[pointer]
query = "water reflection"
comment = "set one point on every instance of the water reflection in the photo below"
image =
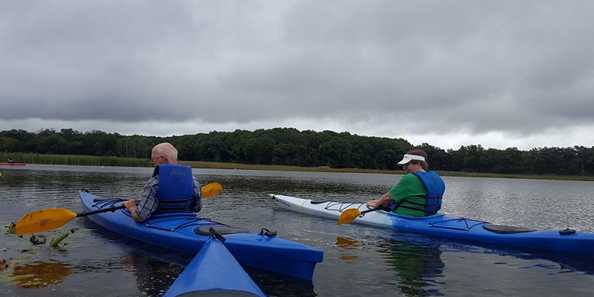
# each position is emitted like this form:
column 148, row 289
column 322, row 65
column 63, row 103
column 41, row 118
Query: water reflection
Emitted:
column 417, row 263
column 346, row 244
column 558, row 263
column 152, row 275
column 274, row 285
column 40, row 274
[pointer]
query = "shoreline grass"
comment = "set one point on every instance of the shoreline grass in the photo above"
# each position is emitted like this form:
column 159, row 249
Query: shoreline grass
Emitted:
column 241, row 166
column 85, row 160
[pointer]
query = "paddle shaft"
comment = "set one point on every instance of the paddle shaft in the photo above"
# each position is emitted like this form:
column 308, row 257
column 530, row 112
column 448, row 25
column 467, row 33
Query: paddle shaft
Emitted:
column 53, row 218
column 370, row 210
column 113, row 208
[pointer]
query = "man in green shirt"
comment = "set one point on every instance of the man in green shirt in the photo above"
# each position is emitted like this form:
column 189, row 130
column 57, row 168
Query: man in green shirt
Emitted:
column 419, row 191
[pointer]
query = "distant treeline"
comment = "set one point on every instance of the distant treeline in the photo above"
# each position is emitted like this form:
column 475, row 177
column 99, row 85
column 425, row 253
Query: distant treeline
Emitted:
column 288, row 146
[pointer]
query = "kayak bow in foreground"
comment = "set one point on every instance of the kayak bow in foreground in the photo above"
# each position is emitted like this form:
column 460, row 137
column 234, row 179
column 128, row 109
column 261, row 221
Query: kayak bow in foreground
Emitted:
column 563, row 242
column 214, row 272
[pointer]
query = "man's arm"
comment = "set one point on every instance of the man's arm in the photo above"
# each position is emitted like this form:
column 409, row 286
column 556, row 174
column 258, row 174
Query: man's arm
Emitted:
column 396, row 194
column 382, row 201
column 143, row 209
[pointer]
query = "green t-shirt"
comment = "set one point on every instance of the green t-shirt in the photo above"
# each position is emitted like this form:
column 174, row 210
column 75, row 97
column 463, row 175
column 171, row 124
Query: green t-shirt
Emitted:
column 410, row 188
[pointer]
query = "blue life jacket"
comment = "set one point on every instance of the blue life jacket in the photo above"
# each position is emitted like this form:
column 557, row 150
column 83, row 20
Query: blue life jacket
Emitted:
column 435, row 188
column 176, row 188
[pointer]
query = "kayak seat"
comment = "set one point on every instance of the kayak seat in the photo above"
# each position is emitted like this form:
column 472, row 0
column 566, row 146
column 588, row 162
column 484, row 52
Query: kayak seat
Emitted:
column 503, row 229
column 223, row 230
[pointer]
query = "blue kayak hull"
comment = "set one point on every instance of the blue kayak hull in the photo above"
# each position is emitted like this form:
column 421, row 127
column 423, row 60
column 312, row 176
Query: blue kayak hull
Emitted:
column 177, row 231
column 214, row 271
column 457, row 228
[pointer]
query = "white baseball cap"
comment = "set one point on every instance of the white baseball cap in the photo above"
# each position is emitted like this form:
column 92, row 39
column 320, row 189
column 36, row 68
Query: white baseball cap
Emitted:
column 408, row 157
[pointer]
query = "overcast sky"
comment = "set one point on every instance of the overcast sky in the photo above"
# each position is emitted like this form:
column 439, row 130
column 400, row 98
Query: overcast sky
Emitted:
column 448, row 73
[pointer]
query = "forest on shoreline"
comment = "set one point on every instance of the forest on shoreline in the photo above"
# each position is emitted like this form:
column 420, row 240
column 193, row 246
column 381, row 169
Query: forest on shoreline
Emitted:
column 291, row 147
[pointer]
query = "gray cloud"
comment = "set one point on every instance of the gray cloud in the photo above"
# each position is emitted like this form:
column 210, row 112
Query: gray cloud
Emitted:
column 502, row 66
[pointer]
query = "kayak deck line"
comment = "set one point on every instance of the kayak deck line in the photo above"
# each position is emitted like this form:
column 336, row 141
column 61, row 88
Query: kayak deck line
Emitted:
column 565, row 242
column 330, row 205
column 181, row 232
column 467, row 226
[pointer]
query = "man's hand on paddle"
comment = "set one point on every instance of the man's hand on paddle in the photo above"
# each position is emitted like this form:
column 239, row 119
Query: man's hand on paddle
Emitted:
column 130, row 204
column 383, row 201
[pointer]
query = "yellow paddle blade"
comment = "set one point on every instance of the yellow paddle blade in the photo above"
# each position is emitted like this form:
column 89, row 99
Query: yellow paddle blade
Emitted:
column 348, row 216
column 210, row 190
column 43, row 220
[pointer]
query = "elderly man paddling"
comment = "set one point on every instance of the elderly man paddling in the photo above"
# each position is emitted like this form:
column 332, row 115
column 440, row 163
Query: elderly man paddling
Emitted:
column 172, row 188
column 418, row 193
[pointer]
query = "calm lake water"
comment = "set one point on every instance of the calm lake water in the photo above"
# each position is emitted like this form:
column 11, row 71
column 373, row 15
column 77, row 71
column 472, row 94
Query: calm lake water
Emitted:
column 358, row 260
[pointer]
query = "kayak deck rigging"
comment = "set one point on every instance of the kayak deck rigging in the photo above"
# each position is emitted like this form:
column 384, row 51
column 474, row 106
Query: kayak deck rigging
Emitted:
column 466, row 227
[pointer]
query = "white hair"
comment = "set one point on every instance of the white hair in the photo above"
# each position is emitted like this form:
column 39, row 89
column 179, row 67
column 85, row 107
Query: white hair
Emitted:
column 166, row 150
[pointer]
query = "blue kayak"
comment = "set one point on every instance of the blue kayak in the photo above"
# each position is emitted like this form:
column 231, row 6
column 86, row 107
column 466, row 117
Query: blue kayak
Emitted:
column 187, row 233
column 214, row 272
column 560, row 242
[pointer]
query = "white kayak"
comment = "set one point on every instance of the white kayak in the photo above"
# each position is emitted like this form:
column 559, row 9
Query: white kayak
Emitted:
column 566, row 242
column 332, row 210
